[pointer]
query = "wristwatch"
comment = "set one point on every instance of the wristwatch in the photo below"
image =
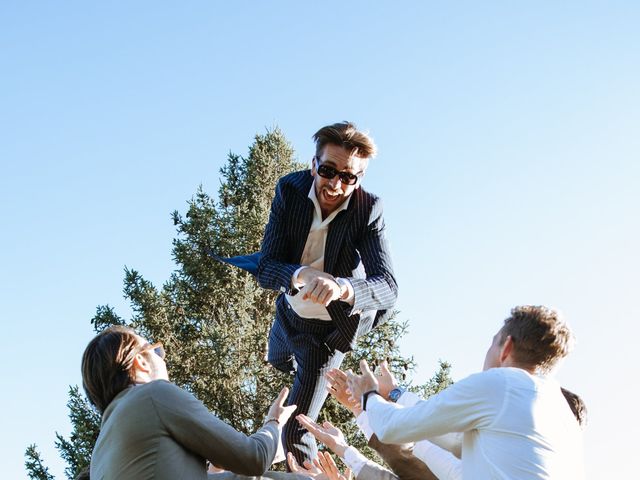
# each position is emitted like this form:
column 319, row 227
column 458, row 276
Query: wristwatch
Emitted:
column 365, row 396
column 395, row 394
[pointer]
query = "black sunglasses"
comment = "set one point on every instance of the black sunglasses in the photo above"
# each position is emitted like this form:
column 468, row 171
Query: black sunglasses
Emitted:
column 325, row 171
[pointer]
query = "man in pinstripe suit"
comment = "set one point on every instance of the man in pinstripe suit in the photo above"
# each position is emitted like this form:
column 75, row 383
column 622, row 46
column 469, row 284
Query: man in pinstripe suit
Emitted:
column 325, row 250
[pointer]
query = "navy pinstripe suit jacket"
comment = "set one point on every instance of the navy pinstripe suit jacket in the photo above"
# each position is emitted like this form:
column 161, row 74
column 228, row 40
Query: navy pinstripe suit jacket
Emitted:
column 356, row 234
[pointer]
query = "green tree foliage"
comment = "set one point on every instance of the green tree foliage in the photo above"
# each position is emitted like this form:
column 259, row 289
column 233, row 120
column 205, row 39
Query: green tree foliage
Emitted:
column 76, row 451
column 34, row 466
column 214, row 319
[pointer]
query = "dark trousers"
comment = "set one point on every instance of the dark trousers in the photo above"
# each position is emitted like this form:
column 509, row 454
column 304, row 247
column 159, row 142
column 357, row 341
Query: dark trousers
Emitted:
column 297, row 345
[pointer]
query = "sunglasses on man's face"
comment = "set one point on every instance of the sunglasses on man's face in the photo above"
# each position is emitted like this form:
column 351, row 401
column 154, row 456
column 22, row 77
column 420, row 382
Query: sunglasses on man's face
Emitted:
column 328, row 172
column 157, row 348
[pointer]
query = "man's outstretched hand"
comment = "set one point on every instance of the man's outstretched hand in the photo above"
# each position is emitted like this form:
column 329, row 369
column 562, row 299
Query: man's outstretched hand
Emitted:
column 278, row 411
column 331, row 436
column 359, row 384
column 338, row 389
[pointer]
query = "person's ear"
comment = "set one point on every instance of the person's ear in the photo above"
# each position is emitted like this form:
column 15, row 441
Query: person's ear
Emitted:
column 507, row 348
column 313, row 166
column 141, row 364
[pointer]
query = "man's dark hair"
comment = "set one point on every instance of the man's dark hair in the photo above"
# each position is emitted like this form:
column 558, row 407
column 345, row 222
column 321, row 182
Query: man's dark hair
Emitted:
column 106, row 365
column 540, row 336
column 577, row 406
column 346, row 135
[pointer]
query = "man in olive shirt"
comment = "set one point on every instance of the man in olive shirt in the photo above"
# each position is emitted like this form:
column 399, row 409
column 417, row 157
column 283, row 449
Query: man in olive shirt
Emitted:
column 153, row 429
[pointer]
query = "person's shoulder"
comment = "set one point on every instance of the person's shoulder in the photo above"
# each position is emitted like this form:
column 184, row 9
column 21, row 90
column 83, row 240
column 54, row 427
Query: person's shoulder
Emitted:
column 301, row 180
column 513, row 377
column 166, row 395
column 159, row 389
column 490, row 380
column 504, row 373
column 363, row 200
column 365, row 195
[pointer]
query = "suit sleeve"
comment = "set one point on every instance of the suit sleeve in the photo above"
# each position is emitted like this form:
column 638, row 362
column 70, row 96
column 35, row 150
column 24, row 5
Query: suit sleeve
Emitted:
column 273, row 272
column 191, row 424
column 379, row 290
column 373, row 471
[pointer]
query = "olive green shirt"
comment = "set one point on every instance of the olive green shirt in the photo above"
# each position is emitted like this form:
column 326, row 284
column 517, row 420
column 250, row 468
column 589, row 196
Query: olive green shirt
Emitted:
column 160, row 431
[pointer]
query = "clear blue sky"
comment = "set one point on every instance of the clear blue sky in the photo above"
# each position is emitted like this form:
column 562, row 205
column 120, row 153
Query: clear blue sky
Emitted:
column 509, row 166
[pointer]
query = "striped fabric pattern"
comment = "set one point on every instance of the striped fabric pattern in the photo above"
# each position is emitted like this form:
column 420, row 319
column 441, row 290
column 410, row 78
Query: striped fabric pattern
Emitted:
column 306, row 347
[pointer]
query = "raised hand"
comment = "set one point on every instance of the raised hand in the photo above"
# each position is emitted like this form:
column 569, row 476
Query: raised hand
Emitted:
column 328, row 434
column 328, row 466
column 386, row 380
column 359, row 384
column 278, row 411
column 308, row 469
column 338, row 389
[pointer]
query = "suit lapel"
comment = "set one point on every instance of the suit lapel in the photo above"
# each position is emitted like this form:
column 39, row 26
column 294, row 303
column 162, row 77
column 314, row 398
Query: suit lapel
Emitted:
column 335, row 238
column 300, row 232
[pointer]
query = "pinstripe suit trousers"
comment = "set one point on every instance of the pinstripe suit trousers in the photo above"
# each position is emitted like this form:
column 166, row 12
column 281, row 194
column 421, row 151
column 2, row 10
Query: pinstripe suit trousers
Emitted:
column 295, row 347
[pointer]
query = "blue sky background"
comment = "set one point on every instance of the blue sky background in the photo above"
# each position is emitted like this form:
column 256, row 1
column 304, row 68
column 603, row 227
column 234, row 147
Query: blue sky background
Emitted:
column 508, row 138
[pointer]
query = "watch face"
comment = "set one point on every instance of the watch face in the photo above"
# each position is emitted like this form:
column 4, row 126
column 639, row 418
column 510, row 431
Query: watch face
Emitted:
column 394, row 394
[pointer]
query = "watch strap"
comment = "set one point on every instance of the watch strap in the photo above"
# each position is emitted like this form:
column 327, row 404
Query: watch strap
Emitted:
column 365, row 397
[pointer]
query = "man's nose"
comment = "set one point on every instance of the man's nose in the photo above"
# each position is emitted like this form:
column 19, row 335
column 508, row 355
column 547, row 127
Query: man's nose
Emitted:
column 335, row 182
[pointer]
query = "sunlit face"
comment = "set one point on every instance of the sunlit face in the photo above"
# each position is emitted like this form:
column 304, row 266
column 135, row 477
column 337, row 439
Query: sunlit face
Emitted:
column 332, row 193
column 492, row 358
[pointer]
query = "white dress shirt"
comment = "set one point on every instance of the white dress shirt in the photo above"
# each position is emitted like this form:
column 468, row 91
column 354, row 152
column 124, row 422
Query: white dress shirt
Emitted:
column 313, row 256
column 516, row 425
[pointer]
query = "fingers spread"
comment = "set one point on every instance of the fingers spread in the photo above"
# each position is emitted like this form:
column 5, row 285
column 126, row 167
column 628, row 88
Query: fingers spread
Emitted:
column 364, row 367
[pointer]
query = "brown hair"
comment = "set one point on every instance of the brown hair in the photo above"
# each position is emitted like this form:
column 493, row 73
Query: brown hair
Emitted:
column 577, row 406
column 540, row 336
column 346, row 135
column 106, row 365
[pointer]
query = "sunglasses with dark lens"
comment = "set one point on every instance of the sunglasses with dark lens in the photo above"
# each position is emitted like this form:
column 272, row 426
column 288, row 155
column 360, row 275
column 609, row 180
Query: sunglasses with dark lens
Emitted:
column 325, row 171
column 157, row 348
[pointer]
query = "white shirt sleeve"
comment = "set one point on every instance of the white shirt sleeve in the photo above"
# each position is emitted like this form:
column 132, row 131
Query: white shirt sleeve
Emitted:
column 346, row 283
column 408, row 399
column 362, row 421
column 294, row 278
column 442, row 463
column 470, row 403
column 354, row 460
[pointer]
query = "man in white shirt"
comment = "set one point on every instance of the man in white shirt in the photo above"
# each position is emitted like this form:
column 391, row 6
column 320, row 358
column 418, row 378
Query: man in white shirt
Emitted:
column 514, row 417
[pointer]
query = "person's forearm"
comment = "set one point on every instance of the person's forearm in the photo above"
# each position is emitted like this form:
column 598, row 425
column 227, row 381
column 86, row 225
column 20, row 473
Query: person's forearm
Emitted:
column 467, row 404
column 379, row 290
column 443, row 463
column 276, row 275
column 190, row 423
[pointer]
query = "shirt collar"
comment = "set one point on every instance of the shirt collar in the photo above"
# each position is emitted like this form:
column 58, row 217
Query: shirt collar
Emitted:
column 332, row 215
